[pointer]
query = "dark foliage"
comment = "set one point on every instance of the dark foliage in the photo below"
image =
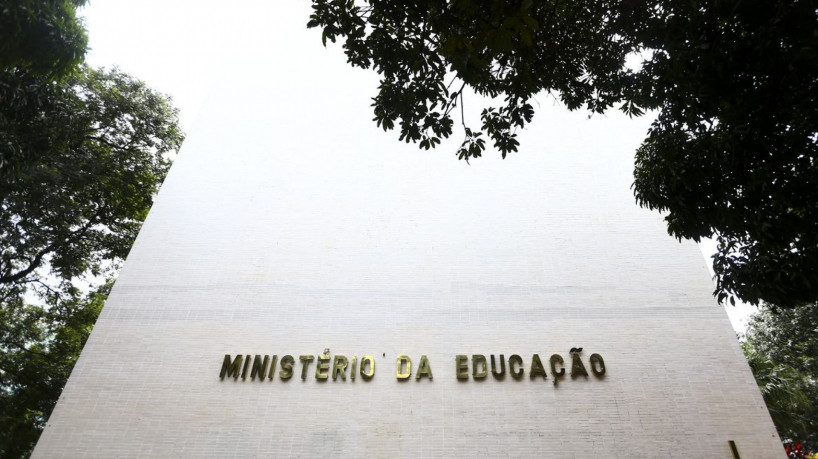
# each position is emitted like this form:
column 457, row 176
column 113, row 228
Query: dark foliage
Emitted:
column 788, row 340
column 42, row 43
column 39, row 348
column 41, row 37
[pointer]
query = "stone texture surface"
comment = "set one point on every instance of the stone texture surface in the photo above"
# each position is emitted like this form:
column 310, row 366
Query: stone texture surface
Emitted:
column 286, row 226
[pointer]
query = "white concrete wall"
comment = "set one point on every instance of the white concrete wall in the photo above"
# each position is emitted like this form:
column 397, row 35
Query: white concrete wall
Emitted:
column 287, row 226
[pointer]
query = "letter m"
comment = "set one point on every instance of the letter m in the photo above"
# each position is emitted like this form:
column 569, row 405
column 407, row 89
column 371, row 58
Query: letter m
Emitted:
column 231, row 368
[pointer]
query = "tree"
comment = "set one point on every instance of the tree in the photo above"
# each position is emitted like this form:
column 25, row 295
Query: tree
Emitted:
column 781, row 387
column 731, row 155
column 68, row 217
column 103, row 156
column 786, row 341
column 40, row 347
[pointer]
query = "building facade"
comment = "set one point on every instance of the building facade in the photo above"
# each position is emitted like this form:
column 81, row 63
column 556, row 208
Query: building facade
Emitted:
column 311, row 288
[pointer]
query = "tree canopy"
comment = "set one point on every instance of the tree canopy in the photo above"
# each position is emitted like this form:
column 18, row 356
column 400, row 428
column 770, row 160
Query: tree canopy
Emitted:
column 731, row 154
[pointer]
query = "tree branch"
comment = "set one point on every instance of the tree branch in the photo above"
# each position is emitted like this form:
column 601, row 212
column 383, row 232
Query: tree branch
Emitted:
column 21, row 347
column 102, row 140
column 38, row 259
column 33, row 264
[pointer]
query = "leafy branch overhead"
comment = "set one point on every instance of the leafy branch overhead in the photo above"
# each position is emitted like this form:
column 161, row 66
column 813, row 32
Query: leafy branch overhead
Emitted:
column 731, row 155
column 427, row 52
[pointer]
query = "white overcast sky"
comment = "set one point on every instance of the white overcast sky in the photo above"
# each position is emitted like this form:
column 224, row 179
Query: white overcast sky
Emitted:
column 182, row 48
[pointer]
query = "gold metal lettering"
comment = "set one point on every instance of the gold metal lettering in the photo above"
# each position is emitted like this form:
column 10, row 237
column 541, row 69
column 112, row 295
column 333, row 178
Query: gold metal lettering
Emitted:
column 286, row 367
column 403, row 362
column 462, row 367
column 478, row 360
column 259, row 367
column 502, row 372
column 305, row 364
column 367, row 374
column 424, row 369
column 597, row 365
column 536, row 368
column 733, row 449
column 246, row 365
column 577, row 367
column 555, row 360
column 231, row 368
column 322, row 367
column 272, row 367
column 512, row 361
column 339, row 366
